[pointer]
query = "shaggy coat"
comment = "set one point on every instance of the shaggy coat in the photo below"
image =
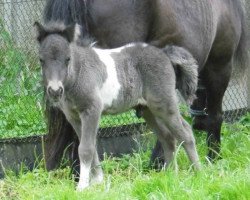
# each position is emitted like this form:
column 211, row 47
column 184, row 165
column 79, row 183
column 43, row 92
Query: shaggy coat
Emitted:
column 86, row 82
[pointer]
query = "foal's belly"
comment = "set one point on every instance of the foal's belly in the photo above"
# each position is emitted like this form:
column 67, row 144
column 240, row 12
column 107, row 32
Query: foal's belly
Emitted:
column 120, row 107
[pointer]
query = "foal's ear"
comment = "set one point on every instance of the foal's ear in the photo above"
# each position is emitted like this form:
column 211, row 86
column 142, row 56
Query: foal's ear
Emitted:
column 40, row 31
column 73, row 32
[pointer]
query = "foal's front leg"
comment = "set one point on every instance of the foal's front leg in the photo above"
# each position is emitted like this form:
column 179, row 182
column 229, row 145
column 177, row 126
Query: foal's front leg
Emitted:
column 96, row 170
column 87, row 146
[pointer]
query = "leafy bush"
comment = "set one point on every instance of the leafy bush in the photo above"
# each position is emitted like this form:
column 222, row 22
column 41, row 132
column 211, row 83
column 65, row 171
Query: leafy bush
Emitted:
column 21, row 112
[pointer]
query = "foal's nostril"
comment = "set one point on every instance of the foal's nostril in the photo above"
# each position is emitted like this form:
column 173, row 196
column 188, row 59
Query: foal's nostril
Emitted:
column 50, row 91
column 60, row 91
column 55, row 93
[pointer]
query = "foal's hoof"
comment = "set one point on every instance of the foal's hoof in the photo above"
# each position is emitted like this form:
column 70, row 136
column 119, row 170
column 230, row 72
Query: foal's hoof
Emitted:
column 97, row 179
column 197, row 166
column 81, row 187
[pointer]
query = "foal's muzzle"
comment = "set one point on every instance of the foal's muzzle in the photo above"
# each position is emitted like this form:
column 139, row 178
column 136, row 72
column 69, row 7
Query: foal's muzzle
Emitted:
column 55, row 91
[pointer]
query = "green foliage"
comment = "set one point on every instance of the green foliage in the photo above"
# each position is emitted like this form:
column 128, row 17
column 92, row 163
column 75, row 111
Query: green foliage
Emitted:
column 121, row 119
column 20, row 92
column 130, row 178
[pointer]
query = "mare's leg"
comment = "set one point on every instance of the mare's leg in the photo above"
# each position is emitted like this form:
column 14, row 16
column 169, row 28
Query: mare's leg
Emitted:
column 157, row 156
column 216, row 77
column 74, row 158
column 164, row 135
column 198, row 108
column 167, row 110
column 60, row 136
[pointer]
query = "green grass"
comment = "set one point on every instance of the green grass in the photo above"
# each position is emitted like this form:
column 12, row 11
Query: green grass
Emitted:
column 130, row 178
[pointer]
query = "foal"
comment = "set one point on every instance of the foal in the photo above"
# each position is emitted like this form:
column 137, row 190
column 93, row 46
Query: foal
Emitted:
column 86, row 82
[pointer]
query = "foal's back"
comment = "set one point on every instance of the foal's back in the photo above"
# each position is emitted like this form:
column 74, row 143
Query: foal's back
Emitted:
column 131, row 72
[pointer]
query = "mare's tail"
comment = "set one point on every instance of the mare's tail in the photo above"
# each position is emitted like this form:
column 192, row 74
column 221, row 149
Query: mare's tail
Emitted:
column 186, row 70
column 241, row 57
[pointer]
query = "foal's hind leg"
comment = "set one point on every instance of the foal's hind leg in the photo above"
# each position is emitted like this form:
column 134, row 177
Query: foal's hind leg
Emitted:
column 178, row 127
column 183, row 133
column 164, row 135
column 193, row 153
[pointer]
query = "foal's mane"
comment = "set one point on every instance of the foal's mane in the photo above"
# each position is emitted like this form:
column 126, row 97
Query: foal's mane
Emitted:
column 53, row 27
column 59, row 28
column 86, row 41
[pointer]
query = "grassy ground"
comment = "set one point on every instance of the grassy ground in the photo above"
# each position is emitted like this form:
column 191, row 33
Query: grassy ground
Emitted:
column 130, row 178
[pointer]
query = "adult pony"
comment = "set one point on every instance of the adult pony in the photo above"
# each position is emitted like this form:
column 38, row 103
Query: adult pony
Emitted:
column 213, row 31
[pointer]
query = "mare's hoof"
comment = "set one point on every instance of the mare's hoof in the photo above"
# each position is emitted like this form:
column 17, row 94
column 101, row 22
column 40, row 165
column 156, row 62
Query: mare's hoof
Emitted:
column 213, row 157
column 157, row 164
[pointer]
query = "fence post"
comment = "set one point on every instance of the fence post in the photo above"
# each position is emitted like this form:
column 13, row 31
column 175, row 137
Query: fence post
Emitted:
column 7, row 7
column 248, row 88
column 248, row 49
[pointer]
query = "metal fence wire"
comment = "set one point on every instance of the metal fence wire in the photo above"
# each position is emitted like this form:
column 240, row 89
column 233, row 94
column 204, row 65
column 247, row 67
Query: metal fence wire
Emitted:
column 21, row 92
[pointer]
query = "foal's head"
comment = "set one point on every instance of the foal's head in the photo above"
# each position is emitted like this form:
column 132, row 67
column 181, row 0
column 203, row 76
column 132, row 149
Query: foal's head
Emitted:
column 54, row 53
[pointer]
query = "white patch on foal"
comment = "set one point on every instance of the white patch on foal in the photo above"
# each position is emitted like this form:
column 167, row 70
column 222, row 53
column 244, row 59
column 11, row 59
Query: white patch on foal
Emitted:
column 142, row 102
column 119, row 49
column 111, row 87
column 55, row 85
column 77, row 32
column 84, row 176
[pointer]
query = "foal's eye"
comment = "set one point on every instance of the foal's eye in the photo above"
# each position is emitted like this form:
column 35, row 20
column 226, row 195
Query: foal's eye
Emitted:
column 41, row 61
column 67, row 61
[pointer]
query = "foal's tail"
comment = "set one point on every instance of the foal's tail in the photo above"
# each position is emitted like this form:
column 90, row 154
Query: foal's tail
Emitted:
column 186, row 70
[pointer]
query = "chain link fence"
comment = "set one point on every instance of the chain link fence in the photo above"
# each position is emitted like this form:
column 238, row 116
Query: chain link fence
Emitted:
column 21, row 93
